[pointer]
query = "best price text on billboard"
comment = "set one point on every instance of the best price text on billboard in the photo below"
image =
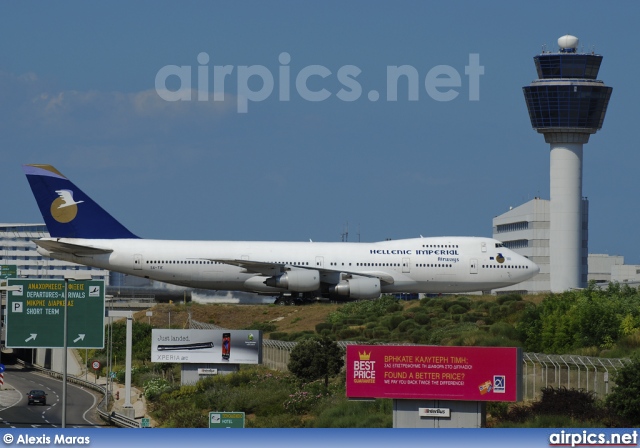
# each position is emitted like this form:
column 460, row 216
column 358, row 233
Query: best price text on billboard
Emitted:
column 434, row 373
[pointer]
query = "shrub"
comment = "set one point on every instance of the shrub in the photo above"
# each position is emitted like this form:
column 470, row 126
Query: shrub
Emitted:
column 381, row 333
column 502, row 299
column 265, row 327
column 353, row 321
column 419, row 336
column 356, row 414
column 394, row 321
column 624, row 400
column 575, row 403
column 422, row 319
column 504, row 329
column 278, row 335
column 323, row 326
column 155, row 387
column 349, row 333
column 315, row 358
column 457, row 309
column 407, row 325
column 301, row 401
column 519, row 413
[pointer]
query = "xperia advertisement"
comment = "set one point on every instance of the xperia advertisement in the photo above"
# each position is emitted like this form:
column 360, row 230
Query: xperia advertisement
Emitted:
column 434, row 373
column 206, row 346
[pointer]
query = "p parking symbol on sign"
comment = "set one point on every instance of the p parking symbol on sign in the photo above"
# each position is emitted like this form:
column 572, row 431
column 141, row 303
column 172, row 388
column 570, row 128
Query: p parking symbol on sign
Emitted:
column 17, row 307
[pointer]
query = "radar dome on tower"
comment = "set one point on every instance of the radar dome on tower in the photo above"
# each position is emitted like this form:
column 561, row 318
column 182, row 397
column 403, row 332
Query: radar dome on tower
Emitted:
column 568, row 43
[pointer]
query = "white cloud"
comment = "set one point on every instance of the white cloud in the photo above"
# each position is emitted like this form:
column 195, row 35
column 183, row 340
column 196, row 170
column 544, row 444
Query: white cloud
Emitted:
column 25, row 101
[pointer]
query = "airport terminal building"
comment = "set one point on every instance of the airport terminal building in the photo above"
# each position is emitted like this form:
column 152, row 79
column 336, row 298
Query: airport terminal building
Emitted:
column 526, row 229
column 17, row 249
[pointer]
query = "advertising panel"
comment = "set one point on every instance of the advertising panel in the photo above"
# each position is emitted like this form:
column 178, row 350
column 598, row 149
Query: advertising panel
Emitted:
column 206, row 346
column 434, row 373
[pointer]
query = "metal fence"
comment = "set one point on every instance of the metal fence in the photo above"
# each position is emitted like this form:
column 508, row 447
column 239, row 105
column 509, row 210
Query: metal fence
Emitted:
column 588, row 373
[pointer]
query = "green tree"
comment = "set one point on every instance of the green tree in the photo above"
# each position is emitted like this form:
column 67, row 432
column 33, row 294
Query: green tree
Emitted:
column 315, row 358
column 624, row 400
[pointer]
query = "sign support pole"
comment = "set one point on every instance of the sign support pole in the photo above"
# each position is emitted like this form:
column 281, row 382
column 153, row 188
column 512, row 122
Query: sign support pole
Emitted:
column 74, row 276
column 64, row 356
column 127, row 373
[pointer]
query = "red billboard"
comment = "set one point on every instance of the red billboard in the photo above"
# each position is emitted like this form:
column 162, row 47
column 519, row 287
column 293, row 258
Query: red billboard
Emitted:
column 434, row 373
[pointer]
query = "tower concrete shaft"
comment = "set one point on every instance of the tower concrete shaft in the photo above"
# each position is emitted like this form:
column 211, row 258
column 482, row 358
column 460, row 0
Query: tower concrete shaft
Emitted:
column 567, row 104
column 565, row 210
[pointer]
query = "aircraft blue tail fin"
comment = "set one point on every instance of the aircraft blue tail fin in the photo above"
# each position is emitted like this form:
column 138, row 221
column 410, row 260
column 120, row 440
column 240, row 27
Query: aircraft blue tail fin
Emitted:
column 67, row 211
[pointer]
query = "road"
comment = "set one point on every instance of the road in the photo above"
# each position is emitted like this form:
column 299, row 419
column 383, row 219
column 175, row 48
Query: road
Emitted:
column 16, row 413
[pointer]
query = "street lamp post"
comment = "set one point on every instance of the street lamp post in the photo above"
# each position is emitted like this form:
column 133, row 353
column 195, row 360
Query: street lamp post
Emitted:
column 76, row 276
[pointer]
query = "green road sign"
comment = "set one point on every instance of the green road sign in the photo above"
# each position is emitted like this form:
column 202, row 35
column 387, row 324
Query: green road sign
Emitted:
column 35, row 314
column 8, row 270
column 145, row 423
column 226, row 419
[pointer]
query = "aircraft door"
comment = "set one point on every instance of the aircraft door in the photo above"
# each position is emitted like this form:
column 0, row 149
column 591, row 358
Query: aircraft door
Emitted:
column 406, row 265
column 137, row 262
column 319, row 262
column 473, row 266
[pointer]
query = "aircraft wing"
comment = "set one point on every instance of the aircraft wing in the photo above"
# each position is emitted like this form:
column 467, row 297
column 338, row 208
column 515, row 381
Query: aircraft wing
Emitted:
column 68, row 248
column 267, row 268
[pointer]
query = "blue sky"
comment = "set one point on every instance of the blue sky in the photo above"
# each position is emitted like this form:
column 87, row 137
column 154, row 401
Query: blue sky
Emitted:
column 78, row 91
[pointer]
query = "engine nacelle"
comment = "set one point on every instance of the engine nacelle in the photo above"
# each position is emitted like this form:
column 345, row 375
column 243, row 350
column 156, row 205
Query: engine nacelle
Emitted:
column 299, row 280
column 359, row 288
column 257, row 284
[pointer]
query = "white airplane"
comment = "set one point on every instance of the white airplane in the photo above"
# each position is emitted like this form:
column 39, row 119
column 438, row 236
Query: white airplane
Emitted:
column 84, row 233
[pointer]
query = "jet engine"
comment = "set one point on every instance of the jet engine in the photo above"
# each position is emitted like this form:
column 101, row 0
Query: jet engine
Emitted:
column 299, row 280
column 358, row 288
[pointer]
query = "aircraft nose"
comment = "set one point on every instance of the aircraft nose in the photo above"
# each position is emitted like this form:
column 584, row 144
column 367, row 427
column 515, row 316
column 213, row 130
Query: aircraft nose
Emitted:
column 535, row 267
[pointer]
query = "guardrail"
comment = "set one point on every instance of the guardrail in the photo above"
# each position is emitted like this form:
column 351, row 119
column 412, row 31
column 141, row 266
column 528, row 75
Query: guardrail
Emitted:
column 113, row 417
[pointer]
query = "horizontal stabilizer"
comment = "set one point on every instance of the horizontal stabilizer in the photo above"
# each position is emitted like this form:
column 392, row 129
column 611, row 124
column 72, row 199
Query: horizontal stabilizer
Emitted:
column 68, row 248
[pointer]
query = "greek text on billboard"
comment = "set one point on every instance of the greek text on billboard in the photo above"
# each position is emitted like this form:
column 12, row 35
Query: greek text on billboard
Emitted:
column 434, row 373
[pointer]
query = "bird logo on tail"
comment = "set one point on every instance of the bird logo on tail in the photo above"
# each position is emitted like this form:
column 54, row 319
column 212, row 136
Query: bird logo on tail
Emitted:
column 64, row 209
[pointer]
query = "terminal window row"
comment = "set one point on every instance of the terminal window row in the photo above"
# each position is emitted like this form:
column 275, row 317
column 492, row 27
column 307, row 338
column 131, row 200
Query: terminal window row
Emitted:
column 516, row 244
column 23, row 229
column 513, row 227
column 17, row 239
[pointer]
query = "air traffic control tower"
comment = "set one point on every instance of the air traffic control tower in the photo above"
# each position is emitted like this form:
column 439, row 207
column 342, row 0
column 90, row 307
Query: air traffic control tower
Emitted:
column 567, row 104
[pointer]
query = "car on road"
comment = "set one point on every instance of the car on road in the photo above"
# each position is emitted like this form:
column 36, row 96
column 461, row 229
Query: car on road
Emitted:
column 37, row 396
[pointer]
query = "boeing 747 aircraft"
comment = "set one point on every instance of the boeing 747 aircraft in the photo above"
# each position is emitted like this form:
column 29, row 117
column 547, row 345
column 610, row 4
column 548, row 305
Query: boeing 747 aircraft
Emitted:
column 82, row 232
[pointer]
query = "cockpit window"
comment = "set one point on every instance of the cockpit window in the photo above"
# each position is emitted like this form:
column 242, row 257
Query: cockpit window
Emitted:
column 499, row 245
